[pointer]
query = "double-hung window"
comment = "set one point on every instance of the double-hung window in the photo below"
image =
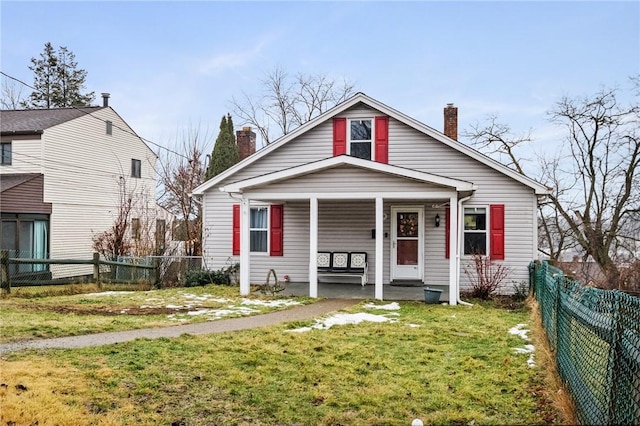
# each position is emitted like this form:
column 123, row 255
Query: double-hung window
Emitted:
column 475, row 230
column 5, row 154
column 360, row 138
column 259, row 229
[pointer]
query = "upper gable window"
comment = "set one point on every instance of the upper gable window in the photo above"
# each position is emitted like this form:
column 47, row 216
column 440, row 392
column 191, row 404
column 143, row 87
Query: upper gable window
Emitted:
column 136, row 168
column 109, row 127
column 360, row 138
column 5, row 154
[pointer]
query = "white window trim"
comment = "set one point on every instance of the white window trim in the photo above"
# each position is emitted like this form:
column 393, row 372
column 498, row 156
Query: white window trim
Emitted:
column 373, row 134
column 486, row 230
column 268, row 229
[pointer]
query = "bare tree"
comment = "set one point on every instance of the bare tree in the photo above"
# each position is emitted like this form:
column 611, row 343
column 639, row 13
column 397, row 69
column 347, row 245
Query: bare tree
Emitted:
column 288, row 102
column 595, row 202
column 179, row 174
column 603, row 153
column 114, row 242
column 12, row 95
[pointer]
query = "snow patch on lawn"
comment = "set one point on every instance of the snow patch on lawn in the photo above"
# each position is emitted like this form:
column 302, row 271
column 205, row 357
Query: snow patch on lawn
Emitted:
column 109, row 293
column 519, row 330
column 270, row 303
column 343, row 319
column 393, row 306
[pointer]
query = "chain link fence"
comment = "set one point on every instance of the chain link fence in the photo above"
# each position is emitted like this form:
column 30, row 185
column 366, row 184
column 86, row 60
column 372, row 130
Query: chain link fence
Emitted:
column 595, row 337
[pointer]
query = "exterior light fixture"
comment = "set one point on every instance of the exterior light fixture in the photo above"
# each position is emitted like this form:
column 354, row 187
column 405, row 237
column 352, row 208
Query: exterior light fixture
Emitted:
column 437, row 220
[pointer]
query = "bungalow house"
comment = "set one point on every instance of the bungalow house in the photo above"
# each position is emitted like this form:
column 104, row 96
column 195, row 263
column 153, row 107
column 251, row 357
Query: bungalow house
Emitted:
column 411, row 203
column 64, row 172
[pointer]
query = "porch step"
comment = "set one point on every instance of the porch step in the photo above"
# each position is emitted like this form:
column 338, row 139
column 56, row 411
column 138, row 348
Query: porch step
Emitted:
column 407, row 283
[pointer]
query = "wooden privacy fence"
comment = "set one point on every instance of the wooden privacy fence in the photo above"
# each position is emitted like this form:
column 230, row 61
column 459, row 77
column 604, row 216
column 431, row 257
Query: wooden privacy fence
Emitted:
column 103, row 271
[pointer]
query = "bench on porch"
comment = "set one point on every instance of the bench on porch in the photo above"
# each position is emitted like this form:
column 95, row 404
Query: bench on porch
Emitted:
column 343, row 263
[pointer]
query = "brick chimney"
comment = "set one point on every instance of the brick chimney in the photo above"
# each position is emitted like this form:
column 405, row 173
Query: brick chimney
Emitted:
column 246, row 140
column 451, row 121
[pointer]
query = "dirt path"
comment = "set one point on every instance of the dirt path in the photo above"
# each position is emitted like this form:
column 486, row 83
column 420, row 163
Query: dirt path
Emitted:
column 297, row 313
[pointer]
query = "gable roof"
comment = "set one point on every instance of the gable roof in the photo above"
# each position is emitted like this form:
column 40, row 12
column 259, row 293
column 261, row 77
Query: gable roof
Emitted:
column 28, row 121
column 12, row 180
column 342, row 160
column 391, row 112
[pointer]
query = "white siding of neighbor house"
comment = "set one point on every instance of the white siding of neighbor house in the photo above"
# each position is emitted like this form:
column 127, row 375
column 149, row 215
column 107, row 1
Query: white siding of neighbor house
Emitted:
column 84, row 169
column 26, row 157
column 408, row 148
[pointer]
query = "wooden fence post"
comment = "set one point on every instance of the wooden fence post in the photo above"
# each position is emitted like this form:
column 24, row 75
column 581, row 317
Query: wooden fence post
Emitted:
column 5, row 278
column 96, row 268
column 156, row 272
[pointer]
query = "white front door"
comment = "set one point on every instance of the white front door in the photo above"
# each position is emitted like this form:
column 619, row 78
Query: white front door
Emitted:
column 407, row 233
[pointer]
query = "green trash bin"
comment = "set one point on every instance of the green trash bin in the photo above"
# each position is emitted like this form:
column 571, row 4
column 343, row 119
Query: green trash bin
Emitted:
column 432, row 295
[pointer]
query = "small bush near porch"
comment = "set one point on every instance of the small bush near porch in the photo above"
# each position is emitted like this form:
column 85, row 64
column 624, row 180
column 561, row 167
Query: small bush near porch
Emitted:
column 442, row 364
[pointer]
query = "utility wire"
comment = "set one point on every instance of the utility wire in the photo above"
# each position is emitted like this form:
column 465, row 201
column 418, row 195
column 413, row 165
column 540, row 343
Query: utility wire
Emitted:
column 100, row 119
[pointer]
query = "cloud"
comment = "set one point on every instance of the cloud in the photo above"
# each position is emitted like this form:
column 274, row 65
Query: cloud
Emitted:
column 233, row 60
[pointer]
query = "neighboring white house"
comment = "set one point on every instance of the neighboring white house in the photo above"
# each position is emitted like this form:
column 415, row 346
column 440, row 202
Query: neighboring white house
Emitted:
column 365, row 177
column 64, row 173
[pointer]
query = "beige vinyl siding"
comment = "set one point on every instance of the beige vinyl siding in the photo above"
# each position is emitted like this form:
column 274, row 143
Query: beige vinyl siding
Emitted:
column 348, row 179
column 84, row 171
column 408, row 148
column 26, row 157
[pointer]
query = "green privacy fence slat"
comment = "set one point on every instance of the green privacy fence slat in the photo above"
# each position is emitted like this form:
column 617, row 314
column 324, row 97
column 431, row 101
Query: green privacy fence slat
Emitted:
column 595, row 337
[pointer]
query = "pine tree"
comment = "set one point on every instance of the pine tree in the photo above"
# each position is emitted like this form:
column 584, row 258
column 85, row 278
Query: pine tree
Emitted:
column 57, row 81
column 225, row 150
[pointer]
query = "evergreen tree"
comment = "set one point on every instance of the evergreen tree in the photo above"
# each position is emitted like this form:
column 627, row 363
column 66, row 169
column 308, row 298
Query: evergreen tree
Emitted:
column 57, row 81
column 225, row 150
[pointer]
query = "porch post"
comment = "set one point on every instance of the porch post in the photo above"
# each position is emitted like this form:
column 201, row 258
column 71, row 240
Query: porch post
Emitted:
column 379, row 247
column 313, row 247
column 245, row 247
column 454, row 224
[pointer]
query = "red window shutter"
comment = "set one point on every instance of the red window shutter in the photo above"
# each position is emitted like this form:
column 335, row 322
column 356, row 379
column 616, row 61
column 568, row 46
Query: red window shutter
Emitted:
column 497, row 231
column 447, row 234
column 339, row 136
column 276, row 229
column 236, row 230
column 382, row 139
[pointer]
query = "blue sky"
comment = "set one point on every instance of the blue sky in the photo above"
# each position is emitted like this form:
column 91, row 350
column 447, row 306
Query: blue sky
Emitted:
column 174, row 65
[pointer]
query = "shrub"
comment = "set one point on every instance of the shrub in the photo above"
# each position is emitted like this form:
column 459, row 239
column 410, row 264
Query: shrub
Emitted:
column 520, row 290
column 485, row 276
column 200, row 277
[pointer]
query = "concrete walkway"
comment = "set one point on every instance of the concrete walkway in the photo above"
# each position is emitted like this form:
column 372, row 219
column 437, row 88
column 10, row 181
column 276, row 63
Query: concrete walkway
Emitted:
column 297, row 313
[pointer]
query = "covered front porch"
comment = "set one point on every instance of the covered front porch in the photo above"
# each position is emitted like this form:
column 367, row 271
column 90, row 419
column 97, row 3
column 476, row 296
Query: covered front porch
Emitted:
column 385, row 197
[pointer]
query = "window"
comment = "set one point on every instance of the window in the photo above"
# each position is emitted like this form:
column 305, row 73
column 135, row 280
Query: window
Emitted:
column 5, row 154
column 259, row 231
column 135, row 228
column 136, row 168
column 109, row 127
column 25, row 236
column 475, row 230
column 360, row 132
column 161, row 232
column 266, row 230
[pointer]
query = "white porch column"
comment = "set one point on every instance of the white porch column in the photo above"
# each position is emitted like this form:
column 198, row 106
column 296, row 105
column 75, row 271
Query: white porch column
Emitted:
column 245, row 247
column 313, row 247
column 454, row 223
column 379, row 248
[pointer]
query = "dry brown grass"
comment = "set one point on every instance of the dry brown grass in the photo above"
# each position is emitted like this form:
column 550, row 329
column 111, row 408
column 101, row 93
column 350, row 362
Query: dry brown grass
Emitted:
column 44, row 394
column 554, row 389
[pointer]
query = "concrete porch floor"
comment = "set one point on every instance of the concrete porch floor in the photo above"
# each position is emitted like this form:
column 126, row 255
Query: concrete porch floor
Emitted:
column 356, row 291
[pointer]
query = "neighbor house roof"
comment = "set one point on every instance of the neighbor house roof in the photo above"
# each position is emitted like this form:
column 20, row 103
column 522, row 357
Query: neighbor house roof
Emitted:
column 403, row 118
column 27, row 121
column 12, row 180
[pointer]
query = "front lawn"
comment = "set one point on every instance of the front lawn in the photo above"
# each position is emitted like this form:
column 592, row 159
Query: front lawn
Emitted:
column 376, row 363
